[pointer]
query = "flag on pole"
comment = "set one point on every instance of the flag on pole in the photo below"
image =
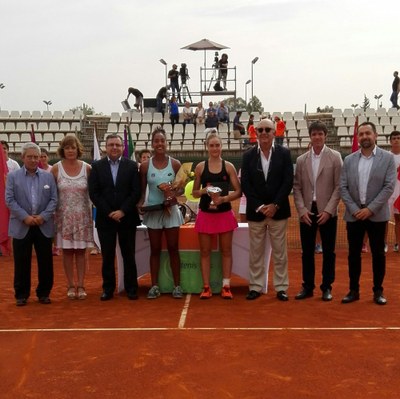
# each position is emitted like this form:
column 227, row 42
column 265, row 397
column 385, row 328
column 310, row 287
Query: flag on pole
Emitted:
column 354, row 146
column 33, row 138
column 4, row 211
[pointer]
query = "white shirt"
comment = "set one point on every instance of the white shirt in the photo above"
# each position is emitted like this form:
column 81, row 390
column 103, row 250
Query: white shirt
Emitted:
column 12, row 165
column 364, row 169
column 315, row 161
column 265, row 161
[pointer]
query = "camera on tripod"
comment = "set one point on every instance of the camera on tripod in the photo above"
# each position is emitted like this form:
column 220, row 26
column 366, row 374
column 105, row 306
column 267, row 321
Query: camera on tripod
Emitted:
column 184, row 73
column 216, row 61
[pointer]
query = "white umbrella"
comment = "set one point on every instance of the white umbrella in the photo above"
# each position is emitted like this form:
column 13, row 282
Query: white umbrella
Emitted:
column 204, row 44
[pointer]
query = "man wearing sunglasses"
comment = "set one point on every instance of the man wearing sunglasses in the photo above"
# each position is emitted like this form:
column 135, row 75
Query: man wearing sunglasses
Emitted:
column 267, row 180
column 316, row 194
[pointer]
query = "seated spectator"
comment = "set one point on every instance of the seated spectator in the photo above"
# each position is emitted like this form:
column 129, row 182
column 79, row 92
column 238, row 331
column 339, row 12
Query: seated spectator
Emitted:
column 223, row 112
column 199, row 114
column 212, row 120
column 211, row 108
column 187, row 113
column 251, row 130
column 237, row 125
column 280, row 128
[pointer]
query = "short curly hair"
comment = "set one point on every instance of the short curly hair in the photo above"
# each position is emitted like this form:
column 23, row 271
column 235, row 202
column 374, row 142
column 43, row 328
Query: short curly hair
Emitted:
column 67, row 141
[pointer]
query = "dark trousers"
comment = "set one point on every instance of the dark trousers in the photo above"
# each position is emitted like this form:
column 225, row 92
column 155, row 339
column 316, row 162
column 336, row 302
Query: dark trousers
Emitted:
column 355, row 237
column 108, row 241
column 174, row 119
column 328, row 239
column 23, row 260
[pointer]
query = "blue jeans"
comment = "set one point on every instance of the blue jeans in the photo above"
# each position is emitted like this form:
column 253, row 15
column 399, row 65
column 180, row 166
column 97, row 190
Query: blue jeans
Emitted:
column 393, row 99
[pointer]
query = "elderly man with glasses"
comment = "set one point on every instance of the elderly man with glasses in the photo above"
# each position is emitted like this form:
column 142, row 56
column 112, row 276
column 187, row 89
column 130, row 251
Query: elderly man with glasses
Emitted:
column 267, row 180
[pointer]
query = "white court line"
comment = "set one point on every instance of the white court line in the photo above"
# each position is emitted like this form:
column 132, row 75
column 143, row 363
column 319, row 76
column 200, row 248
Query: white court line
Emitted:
column 123, row 329
column 185, row 309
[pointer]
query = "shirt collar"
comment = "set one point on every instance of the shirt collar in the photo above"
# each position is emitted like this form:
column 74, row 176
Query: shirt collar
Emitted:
column 29, row 173
column 317, row 155
column 272, row 147
column 373, row 152
column 117, row 161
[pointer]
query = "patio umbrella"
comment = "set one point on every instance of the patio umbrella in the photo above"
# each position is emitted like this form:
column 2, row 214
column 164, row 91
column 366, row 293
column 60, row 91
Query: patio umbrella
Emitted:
column 205, row 45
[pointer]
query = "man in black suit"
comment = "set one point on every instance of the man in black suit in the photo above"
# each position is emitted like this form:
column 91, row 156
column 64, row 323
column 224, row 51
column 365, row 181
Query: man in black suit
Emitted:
column 267, row 180
column 114, row 189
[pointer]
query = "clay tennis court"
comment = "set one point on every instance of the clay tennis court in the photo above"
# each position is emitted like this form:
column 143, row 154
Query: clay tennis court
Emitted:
column 189, row 348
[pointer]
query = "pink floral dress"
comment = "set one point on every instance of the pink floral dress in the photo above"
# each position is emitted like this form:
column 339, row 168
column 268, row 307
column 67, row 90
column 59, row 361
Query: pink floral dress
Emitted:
column 74, row 224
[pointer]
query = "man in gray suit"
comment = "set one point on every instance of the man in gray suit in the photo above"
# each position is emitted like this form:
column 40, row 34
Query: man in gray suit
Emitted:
column 366, row 183
column 31, row 196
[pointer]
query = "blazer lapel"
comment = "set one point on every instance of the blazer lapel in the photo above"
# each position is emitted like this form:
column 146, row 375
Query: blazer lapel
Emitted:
column 309, row 170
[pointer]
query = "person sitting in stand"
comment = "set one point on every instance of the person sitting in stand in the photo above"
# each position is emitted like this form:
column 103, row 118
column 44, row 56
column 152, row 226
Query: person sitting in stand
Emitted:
column 212, row 120
column 211, row 108
column 237, row 125
column 223, row 112
column 251, row 130
column 199, row 114
column 138, row 98
column 187, row 113
column 280, row 128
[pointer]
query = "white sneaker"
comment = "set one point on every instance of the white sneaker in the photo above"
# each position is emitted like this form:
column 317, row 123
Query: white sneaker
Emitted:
column 396, row 248
column 386, row 248
column 154, row 292
column 177, row 292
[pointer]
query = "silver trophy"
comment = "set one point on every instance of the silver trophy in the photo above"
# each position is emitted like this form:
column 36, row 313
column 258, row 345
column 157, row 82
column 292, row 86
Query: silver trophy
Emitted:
column 213, row 192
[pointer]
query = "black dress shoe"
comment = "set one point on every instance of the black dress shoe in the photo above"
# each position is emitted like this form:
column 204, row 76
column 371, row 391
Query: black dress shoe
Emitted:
column 303, row 294
column 379, row 299
column 252, row 295
column 282, row 296
column 132, row 295
column 351, row 297
column 21, row 302
column 327, row 295
column 44, row 300
column 106, row 297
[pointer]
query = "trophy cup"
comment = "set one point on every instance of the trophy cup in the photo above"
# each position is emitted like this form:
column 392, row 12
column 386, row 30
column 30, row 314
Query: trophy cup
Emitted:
column 213, row 192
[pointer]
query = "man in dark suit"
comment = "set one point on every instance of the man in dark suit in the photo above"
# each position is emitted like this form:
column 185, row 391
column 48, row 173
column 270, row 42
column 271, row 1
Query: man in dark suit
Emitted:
column 31, row 196
column 114, row 189
column 267, row 180
column 366, row 183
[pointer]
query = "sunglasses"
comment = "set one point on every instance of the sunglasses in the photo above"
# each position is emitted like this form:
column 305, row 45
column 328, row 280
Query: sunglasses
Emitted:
column 264, row 129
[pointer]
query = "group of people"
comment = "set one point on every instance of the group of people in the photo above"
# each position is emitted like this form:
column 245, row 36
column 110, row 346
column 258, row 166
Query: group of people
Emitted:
column 124, row 192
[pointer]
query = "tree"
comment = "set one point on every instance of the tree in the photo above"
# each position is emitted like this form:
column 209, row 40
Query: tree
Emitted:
column 365, row 103
column 325, row 110
column 254, row 104
column 85, row 109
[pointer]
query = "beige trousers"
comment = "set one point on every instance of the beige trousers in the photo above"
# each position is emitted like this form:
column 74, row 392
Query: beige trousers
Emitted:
column 277, row 233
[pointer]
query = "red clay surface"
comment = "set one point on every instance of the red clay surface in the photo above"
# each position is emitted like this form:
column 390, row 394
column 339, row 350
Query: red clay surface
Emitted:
column 226, row 349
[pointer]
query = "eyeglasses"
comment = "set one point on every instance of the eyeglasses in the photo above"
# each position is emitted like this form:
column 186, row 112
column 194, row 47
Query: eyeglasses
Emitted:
column 264, row 129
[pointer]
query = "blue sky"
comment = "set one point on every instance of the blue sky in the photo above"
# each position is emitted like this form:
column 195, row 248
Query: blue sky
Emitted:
column 310, row 52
